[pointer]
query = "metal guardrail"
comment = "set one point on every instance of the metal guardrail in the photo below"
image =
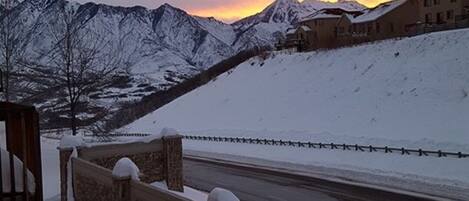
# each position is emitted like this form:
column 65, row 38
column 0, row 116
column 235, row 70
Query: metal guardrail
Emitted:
column 332, row 146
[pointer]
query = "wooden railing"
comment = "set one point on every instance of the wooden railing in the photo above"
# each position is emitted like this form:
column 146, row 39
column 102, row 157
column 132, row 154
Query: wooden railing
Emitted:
column 13, row 193
column 332, row 146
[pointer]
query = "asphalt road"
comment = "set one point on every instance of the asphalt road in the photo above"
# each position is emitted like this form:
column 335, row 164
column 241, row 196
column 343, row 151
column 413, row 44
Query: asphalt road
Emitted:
column 260, row 184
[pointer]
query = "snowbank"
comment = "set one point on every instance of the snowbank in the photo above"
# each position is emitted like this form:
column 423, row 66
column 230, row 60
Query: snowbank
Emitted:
column 220, row 194
column 18, row 169
column 70, row 141
column 189, row 192
column 126, row 168
column 164, row 133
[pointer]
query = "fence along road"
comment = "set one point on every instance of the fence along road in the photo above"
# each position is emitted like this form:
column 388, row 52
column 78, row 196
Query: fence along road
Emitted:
column 299, row 144
column 254, row 183
column 332, row 146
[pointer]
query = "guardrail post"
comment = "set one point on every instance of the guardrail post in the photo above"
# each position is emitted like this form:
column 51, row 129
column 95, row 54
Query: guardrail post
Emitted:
column 172, row 150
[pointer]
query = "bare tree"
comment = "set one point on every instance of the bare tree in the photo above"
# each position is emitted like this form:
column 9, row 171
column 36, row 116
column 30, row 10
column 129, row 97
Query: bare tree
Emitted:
column 83, row 62
column 12, row 43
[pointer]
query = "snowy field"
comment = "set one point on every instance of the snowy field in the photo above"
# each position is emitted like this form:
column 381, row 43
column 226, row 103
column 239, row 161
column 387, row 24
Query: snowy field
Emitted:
column 3, row 140
column 411, row 92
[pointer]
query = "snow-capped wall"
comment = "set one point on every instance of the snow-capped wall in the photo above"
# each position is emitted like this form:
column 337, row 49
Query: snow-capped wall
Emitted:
column 408, row 89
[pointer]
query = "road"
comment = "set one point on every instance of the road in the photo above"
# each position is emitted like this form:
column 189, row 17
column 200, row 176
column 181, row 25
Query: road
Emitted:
column 251, row 183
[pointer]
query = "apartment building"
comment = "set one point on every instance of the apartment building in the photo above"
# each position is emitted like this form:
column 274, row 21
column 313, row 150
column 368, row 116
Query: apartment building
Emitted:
column 330, row 28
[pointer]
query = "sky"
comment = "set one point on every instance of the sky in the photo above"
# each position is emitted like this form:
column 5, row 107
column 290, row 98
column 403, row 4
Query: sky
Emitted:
column 225, row 10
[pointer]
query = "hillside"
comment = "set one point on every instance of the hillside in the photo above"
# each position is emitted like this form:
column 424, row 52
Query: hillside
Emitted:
column 412, row 90
column 160, row 48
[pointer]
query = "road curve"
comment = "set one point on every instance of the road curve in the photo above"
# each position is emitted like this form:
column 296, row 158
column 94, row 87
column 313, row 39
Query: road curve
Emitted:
column 251, row 183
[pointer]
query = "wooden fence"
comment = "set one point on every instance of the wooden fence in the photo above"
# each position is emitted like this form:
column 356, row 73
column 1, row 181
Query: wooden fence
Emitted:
column 331, row 146
column 313, row 145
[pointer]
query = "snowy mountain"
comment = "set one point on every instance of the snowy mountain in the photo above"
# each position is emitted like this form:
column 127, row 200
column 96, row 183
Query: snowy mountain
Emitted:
column 161, row 47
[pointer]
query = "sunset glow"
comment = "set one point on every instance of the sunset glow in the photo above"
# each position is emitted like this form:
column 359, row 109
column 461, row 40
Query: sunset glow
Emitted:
column 225, row 10
column 243, row 8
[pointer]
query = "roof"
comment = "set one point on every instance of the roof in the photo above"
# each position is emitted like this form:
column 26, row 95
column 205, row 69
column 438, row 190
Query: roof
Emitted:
column 293, row 30
column 328, row 13
column 377, row 12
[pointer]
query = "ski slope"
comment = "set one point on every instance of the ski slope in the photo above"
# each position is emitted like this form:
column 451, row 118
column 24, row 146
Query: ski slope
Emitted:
column 412, row 89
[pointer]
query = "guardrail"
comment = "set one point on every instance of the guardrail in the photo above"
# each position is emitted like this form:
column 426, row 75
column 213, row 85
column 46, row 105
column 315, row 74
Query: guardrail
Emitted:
column 332, row 146
column 317, row 145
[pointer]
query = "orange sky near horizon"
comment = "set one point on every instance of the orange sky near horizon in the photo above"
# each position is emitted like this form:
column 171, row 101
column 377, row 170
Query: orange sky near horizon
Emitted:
column 224, row 10
column 243, row 8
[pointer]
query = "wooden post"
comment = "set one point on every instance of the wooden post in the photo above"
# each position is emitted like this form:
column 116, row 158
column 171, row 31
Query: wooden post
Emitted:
column 121, row 188
column 172, row 151
column 64, row 154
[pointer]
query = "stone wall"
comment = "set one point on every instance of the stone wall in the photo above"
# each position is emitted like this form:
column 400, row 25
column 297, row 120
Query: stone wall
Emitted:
column 157, row 160
column 150, row 164
column 87, row 189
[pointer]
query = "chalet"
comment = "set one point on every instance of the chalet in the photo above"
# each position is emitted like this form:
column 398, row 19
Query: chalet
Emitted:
column 388, row 20
column 335, row 27
column 322, row 25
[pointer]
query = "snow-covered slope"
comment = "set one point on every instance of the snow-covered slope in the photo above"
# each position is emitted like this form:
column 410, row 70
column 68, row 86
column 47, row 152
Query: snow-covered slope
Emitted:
column 412, row 89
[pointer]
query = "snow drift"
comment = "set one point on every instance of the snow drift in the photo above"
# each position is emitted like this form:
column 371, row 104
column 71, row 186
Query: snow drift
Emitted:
column 413, row 89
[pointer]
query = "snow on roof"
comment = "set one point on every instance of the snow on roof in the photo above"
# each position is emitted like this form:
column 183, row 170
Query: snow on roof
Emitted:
column 377, row 12
column 321, row 14
column 291, row 31
column 126, row 168
column 305, row 28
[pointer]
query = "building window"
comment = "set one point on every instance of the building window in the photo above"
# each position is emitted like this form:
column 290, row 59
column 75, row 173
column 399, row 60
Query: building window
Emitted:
column 450, row 14
column 378, row 28
column 427, row 3
column 391, row 27
column 370, row 27
column 428, row 18
column 436, row 2
column 453, row 1
column 440, row 18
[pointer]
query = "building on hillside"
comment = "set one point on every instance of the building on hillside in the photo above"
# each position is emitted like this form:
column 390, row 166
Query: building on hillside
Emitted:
column 323, row 25
column 443, row 14
column 335, row 27
column 297, row 38
column 388, row 20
